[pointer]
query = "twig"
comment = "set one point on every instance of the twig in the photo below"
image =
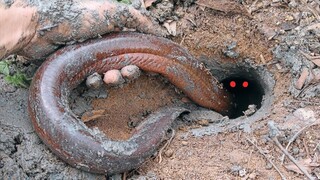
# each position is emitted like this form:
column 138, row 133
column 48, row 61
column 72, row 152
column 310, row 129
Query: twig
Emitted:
column 294, row 137
column 263, row 60
column 302, row 169
column 309, row 56
column 261, row 152
column 306, row 147
column 182, row 40
column 166, row 145
column 273, row 134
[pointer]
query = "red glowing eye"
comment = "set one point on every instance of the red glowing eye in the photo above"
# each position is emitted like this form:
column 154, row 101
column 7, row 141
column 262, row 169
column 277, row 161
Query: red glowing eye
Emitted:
column 245, row 84
column 233, row 84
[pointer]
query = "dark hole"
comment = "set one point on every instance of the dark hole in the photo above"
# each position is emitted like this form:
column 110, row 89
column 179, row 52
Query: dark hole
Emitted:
column 245, row 91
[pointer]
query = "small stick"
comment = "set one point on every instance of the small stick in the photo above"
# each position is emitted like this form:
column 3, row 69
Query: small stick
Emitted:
column 166, row 145
column 273, row 134
column 124, row 176
column 263, row 60
column 302, row 169
column 182, row 40
column 295, row 137
column 261, row 152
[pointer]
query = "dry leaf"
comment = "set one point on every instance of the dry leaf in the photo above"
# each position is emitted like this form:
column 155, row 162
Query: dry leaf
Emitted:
column 304, row 163
column 171, row 26
column 314, row 59
column 226, row 6
column 316, row 62
column 302, row 79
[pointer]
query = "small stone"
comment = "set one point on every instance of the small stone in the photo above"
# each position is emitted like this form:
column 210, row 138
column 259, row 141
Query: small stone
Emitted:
column 94, row 81
column 235, row 169
column 232, row 45
column 242, row 172
column 252, row 108
column 231, row 54
column 169, row 153
column 295, row 150
column 293, row 4
column 269, row 166
column 304, row 114
column 184, row 143
column 203, row 122
column 211, row 116
column 130, row 72
column 113, row 77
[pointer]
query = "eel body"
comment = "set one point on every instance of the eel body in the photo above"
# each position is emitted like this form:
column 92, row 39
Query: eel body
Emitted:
column 91, row 150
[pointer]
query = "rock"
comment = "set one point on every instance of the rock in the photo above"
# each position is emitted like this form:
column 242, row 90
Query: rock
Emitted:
column 203, row 114
column 293, row 4
column 94, row 81
column 130, row 72
column 304, row 114
column 184, row 143
column 269, row 166
column 169, row 153
column 252, row 108
column 235, row 169
column 242, row 172
column 231, row 54
column 113, row 77
column 295, row 150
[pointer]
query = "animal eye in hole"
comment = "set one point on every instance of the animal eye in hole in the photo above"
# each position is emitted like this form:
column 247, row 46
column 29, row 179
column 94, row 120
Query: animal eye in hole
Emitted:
column 233, row 84
column 245, row 84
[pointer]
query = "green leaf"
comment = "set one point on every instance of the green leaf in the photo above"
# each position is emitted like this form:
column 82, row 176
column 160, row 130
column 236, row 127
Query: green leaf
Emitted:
column 4, row 68
column 18, row 79
column 124, row 1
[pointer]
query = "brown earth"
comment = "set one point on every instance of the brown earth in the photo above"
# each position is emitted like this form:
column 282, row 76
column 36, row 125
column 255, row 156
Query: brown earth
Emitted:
column 206, row 29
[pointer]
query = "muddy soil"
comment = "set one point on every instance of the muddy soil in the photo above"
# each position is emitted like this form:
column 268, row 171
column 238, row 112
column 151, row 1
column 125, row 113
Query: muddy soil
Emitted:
column 282, row 37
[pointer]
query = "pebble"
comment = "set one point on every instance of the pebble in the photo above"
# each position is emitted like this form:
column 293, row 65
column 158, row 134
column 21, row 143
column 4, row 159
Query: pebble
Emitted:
column 113, row 77
column 269, row 166
column 169, row 153
column 235, row 169
column 94, row 81
column 242, row 172
column 295, row 150
column 304, row 114
column 130, row 72
column 184, row 143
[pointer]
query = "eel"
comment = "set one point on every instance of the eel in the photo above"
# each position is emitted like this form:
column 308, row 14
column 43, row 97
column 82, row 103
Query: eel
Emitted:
column 89, row 149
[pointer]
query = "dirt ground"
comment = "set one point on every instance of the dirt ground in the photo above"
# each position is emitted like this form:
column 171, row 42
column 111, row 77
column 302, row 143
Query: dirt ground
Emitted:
column 281, row 36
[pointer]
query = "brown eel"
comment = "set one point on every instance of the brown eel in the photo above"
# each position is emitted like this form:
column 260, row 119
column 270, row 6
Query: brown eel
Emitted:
column 89, row 149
